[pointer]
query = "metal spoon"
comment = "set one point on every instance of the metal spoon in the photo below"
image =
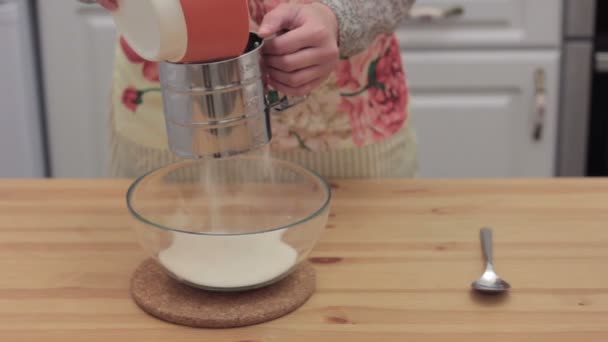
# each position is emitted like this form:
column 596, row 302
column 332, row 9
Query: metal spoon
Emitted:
column 489, row 281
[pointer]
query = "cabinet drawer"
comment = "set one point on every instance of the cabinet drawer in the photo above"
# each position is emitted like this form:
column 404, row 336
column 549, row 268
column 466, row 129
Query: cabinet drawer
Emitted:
column 475, row 113
column 485, row 23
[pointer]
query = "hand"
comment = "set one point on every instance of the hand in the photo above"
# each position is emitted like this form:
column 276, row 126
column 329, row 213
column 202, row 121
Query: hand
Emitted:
column 300, row 60
column 111, row 5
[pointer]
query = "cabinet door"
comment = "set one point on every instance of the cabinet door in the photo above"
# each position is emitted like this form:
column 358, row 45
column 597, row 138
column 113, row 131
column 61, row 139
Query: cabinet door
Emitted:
column 475, row 112
column 77, row 50
column 485, row 23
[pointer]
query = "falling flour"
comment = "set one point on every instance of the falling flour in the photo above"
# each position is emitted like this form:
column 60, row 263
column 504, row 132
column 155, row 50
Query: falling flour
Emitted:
column 228, row 261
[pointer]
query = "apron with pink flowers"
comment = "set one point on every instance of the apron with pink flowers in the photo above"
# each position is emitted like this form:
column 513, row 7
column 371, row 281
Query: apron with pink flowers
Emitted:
column 353, row 126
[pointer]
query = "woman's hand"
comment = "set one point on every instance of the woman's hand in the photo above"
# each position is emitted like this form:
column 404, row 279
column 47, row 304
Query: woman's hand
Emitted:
column 300, row 59
column 111, row 5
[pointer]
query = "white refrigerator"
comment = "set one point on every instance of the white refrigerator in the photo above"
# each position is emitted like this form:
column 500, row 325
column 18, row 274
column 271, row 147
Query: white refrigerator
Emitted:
column 22, row 138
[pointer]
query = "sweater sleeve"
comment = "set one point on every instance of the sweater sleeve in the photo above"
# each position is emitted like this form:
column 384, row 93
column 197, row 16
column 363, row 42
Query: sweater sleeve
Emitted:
column 361, row 21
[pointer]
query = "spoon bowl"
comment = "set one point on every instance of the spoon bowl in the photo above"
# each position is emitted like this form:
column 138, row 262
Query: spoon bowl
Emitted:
column 489, row 281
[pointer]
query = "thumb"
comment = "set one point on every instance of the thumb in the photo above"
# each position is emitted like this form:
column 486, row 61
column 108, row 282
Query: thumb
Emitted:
column 277, row 20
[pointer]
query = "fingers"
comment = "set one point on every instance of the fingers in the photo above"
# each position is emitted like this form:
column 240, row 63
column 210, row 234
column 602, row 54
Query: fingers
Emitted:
column 302, row 30
column 277, row 20
column 305, row 54
column 302, row 59
column 300, row 38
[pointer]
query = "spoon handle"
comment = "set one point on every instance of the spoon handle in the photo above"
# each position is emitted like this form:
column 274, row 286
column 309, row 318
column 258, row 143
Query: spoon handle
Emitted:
column 486, row 243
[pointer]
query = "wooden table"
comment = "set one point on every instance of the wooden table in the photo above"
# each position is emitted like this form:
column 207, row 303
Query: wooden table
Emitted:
column 395, row 264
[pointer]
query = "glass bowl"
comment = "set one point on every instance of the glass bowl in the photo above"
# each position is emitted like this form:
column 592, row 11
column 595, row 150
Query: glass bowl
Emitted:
column 229, row 224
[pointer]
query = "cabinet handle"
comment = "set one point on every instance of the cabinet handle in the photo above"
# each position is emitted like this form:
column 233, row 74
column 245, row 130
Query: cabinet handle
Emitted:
column 427, row 13
column 601, row 62
column 540, row 103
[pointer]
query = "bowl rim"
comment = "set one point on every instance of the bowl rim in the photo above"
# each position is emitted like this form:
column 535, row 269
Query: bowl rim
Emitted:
column 323, row 182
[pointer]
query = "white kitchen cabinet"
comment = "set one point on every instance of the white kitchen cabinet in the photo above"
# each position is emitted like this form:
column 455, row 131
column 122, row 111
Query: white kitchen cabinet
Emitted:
column 486, row 24
column 77, row 52
column 475, row 112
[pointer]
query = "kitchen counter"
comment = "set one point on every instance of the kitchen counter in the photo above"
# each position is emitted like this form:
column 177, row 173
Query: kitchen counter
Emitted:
column 394, row 264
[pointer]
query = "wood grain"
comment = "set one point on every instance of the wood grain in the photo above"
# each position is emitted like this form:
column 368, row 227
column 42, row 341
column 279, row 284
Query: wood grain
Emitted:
column 395, row 264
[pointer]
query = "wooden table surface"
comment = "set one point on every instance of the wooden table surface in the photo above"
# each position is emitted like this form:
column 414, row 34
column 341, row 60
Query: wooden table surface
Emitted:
column 395, row 264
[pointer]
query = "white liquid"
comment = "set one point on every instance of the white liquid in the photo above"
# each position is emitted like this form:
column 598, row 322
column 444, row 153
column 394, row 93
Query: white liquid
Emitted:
column 229, row 261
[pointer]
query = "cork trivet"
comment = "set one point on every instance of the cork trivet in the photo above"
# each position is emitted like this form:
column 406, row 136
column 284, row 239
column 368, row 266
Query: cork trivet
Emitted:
column 163, row 297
